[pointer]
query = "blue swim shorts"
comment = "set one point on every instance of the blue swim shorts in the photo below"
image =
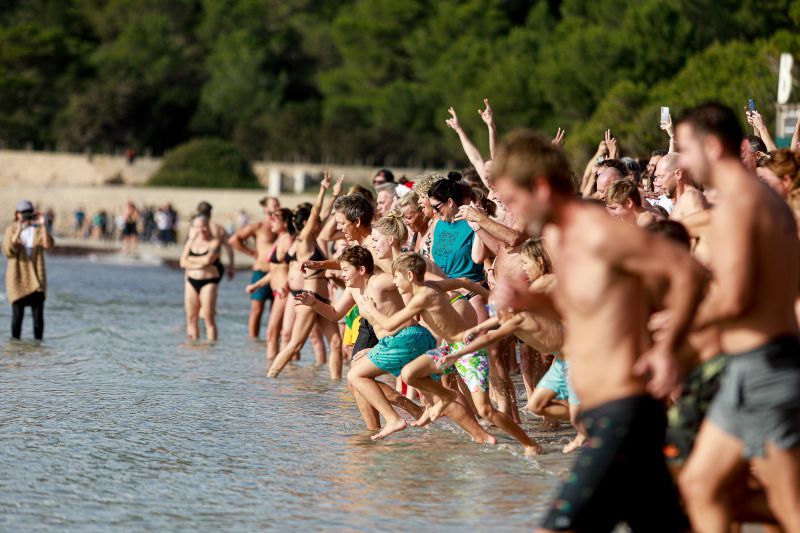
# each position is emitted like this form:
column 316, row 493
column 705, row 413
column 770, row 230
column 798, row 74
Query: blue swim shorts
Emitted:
column 394, row 352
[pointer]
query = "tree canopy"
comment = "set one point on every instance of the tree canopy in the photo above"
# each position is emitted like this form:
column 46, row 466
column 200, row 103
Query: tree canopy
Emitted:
column 371, row 80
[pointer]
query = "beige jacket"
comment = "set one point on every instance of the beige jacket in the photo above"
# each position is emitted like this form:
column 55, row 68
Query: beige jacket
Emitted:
column 25, row 275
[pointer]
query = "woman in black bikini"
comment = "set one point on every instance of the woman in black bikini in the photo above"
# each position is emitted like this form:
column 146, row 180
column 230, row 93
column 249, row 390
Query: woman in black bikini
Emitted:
column 305, row 248
column 282, row 227
column 204, row 271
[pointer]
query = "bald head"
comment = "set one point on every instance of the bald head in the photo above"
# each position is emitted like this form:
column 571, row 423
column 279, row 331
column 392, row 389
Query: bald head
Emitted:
column 606, row 177
column 669, row 163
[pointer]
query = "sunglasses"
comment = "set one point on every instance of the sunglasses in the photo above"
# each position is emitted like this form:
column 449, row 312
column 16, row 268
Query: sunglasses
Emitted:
column 437, row 206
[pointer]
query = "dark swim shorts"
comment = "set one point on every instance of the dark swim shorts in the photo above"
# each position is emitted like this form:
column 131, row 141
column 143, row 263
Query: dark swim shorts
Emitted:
column 759, row 396
column 620, row 474
column 686, row 416
column 264, row 293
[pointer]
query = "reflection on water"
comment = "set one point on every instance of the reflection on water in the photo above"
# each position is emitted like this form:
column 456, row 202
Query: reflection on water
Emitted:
column 115, row 421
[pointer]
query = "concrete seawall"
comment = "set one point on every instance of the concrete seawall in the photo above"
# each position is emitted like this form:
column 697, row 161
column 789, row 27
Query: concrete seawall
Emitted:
column 64, row 182
column 51, row 168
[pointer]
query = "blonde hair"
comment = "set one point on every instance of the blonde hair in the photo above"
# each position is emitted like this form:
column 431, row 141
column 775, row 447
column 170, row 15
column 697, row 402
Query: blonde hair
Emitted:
column 410, row 199
column 410, row 262
column 424, row 182
column 535, row 250
column 392, row 225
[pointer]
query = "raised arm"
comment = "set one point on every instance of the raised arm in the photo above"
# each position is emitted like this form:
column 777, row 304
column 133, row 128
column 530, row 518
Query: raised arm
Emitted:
column 589, row 172
column 327, row 209
column 334, row 313
column 313, row 223
column 487, row 115
column 473, row 154
column 329, row 231
column 11, row 241
column 795, row 146
column 755, row 119
column 667, row 127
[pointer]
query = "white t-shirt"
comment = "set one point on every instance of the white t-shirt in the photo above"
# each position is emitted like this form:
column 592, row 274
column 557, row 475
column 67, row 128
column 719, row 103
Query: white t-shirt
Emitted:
column 665, row 202
column 27, row 236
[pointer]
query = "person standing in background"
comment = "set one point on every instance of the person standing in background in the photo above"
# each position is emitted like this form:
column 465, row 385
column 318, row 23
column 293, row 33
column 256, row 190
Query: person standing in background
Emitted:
column 24, row 244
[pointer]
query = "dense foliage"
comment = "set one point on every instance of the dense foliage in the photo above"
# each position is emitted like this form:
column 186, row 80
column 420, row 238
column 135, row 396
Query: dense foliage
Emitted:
column 371, row 80
column 205, row 163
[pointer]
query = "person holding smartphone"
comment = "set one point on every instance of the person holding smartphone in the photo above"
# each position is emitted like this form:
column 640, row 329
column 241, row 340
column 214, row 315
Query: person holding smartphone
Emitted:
column 24, row 244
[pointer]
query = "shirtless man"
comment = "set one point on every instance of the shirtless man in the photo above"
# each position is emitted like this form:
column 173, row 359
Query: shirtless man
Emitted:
column 624, row 202
column 264, row 240
column 433, row 307
column 391, row 353
column 601, row 267
column 755, row 417
column 674, row 180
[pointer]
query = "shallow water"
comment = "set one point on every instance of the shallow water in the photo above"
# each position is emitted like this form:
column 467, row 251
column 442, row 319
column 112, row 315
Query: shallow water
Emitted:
column 114, row 422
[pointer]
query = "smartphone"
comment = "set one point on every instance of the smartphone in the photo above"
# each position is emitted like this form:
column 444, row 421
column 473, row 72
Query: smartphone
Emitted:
column 664, row 115
column 751, row 105
column 492, row 310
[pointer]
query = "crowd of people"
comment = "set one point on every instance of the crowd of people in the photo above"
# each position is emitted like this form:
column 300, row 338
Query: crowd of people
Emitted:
column 650, row 304
column 130, row 226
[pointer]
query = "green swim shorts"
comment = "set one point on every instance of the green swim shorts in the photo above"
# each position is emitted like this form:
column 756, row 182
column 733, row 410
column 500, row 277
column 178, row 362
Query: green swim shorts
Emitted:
column 394, row 352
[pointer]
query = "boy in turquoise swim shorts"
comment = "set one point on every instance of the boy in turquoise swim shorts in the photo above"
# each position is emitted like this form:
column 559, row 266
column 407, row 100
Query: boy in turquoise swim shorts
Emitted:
column 394, row 350
column 432, row 305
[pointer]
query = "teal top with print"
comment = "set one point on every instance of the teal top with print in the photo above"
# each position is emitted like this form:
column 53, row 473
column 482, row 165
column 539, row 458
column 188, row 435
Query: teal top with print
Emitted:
column 452, row 250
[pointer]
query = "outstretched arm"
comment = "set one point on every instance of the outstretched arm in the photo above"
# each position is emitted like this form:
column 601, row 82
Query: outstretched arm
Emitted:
column 334, row 313
column 452, row 284
column 473, row 154
column 487, row 339
column 394, row 323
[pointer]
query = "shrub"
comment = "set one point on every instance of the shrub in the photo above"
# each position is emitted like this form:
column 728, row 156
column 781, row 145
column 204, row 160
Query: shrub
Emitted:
column 205, row 163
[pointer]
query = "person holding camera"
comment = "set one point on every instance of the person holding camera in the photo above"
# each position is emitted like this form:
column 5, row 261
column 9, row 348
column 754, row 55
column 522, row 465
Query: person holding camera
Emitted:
column 24, row 244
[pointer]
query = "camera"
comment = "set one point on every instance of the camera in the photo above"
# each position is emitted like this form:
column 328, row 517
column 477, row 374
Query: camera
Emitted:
column 28, row 216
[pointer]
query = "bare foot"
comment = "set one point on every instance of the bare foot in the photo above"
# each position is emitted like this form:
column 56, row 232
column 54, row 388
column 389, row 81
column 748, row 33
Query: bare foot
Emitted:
column 574, row 444
column 273, row 372
column 439, row 407
column 389, row 428
column 536, row 449
column 424, row 419
column 488, row 439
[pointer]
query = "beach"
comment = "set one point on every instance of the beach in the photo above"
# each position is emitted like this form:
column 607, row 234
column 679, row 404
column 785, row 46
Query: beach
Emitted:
column 115, row 422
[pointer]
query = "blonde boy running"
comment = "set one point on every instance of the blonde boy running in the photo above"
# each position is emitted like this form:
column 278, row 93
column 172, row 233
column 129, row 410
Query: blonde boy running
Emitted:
column 437, row 313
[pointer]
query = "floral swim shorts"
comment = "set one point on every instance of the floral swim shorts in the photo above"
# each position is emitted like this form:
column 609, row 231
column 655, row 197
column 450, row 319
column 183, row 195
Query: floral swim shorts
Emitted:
column 472, row 367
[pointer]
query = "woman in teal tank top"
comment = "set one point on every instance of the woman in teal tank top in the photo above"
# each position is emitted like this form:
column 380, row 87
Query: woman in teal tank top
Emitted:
column 455, row 248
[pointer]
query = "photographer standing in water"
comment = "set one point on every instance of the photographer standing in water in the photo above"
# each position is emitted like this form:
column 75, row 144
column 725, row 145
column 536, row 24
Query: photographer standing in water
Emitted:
column 24, row 244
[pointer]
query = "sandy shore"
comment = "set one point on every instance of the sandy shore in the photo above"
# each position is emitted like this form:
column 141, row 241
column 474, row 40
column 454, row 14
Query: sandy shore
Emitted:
column 65, row 199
